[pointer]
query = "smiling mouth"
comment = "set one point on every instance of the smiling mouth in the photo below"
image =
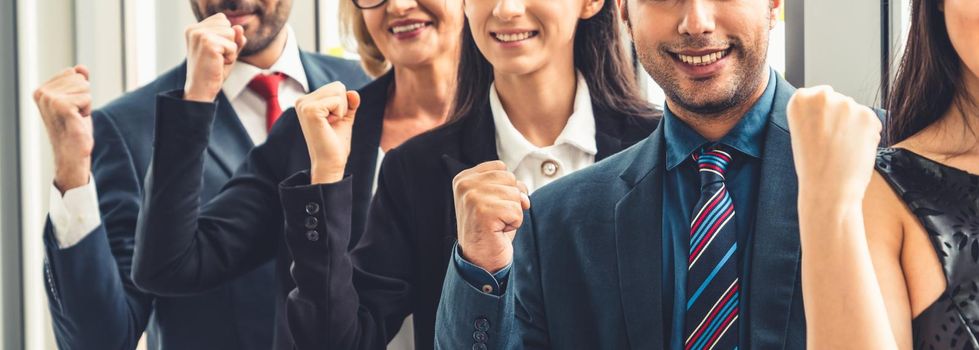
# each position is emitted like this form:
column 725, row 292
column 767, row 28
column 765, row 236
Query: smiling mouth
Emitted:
column 702, row 60
column 407, row 28
column 514, row 37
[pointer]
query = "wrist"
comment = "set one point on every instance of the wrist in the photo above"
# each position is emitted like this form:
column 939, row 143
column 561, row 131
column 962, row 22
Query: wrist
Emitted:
column 491, row 265
column 71, row 177
column 325, row 175
column 200, row 94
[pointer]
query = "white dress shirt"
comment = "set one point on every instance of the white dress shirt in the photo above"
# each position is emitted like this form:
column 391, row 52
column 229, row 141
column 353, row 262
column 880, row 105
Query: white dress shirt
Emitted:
column 574, row 149
column 76, row 214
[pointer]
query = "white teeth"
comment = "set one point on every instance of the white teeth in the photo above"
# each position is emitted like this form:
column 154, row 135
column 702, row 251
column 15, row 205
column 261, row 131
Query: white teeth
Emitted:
column 507, row 38
column 407, row 28
column 703, row 60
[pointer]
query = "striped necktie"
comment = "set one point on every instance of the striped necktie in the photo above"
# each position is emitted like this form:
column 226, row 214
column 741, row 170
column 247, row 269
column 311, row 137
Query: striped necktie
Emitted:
column 713, row 288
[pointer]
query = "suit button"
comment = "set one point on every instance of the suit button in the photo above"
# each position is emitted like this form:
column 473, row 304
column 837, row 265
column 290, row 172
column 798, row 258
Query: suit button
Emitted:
column 311, row 222
column 549, row 168
column 480, row 337
column 312, row 236
column 482, row 324
column 487, row 289
column 479, row 346
column 312, row 208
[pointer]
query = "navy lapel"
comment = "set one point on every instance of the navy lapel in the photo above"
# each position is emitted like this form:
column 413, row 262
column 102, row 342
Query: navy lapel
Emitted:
column 475, row 138
column 775, row 252
column 366, row 140
column 638, row 223
column 316, row 74
column 230, row 143
column 608, row 133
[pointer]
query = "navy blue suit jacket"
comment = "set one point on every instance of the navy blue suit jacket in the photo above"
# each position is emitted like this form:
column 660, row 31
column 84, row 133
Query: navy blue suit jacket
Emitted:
column 93, row 302
column 587, row 269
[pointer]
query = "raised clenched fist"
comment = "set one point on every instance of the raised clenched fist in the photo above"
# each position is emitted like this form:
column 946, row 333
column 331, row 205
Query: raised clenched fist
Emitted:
column 212, row 48
column 834, row 143
column 489, row 205
column 65, row 103
column 327, row 118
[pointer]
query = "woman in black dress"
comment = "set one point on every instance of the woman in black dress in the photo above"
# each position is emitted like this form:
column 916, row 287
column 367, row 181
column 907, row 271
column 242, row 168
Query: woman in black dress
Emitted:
column 891, row 258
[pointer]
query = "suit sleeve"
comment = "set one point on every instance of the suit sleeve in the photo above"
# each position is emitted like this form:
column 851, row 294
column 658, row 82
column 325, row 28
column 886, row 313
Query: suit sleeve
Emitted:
column 355, row 300
column 93, row 302
column 183, row 247
column 469, row 318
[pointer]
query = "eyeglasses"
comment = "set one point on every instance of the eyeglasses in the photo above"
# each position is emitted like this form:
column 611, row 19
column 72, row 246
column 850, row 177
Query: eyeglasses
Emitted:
column 368, row 4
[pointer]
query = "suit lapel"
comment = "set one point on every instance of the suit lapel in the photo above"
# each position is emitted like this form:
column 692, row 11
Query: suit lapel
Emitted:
column 229, row 141
column 316, row 75
column 775, row 251
column 638, row 219
column 366, row 140
column 608, row 133
column 476, row 143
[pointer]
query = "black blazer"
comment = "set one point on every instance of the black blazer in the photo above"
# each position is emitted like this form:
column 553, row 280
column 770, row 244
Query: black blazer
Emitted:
column 93, row 302
column 183, row 247
column 359, row 300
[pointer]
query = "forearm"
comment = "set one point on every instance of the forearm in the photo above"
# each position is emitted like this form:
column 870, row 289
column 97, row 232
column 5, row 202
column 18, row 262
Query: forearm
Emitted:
column 843, row 301
column 327, row 310
column 89, row 298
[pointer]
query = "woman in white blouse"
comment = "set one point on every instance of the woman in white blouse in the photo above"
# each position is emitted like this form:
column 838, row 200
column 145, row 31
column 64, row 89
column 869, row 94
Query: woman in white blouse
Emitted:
column 545, row 89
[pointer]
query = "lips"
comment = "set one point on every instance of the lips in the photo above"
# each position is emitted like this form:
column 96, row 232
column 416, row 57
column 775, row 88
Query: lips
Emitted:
column 514, row 36
column 407, row 26
column 703, row 59
column 239, row 17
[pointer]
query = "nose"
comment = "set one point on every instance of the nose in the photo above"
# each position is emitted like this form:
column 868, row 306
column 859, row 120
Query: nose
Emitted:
column 698, row 18
column 508, row 10
column 401, row 7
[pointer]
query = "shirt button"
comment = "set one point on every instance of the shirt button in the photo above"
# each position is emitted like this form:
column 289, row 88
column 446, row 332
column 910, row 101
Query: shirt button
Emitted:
column 480, row 337
column 487, row 289
column 312, row 236
column 311, row 222
column 549, row 168
column 312, row 208
column 481, row 324
column 479, row 346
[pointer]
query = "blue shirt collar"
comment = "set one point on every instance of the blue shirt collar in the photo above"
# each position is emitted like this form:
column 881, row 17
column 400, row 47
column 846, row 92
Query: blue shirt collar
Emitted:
column 747, row 136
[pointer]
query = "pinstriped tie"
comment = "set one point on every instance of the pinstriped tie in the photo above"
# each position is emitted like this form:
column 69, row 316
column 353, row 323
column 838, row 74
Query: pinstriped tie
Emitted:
column 713, row 288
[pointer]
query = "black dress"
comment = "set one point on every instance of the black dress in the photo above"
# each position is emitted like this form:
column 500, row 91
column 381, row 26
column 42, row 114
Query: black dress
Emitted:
column 946, row 201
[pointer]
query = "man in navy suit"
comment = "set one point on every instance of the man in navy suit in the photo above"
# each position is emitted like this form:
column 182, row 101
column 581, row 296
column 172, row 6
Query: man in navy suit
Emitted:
column 688, row 240
column 101, row 162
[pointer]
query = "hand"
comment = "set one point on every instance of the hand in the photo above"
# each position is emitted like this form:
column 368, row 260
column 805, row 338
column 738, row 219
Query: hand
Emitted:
column 327, row 118
column 213, row 46
column 489, row 204
column 834, row 142
column 65, row 104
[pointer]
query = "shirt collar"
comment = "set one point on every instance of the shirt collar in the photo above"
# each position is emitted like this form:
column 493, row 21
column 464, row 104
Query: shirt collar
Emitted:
column 747, row 136
column 288, row 63
column 579, row 132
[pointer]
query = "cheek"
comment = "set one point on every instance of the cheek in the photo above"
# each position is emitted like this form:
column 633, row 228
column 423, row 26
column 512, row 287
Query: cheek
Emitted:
column 962, row 21
column 375, row 25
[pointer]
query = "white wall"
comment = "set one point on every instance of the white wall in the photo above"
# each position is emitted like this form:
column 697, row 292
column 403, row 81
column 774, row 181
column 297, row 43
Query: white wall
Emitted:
column 842, row 46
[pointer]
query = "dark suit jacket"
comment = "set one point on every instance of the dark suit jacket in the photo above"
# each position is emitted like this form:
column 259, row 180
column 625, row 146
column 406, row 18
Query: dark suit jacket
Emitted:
column 587, row 270
column 93, row 302
column 183, row 247
column 359, row 300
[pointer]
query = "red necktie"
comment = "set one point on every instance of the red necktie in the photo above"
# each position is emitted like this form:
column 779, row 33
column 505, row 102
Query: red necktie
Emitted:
column 267, row 86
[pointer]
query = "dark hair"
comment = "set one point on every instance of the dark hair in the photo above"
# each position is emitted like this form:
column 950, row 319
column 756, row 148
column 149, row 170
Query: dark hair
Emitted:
column 598, row 54
column 929, row 79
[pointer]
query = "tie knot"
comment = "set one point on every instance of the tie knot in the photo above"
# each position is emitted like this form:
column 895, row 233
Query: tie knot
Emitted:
column 713, row 159
column 267, row 85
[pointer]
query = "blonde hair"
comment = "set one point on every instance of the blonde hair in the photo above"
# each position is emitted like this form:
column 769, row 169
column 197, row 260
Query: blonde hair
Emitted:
column 354, row 34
